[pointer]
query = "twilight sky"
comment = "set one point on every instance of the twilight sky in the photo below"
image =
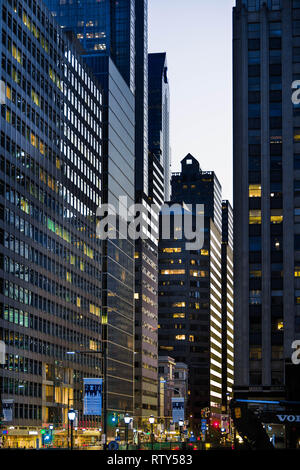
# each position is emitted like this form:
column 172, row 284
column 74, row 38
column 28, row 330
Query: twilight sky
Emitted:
column 196, row 34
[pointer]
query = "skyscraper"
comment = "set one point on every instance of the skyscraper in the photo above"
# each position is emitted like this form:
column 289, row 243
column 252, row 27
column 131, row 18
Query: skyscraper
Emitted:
column 103, row 28
column 266, row 39
column 146, row 345
column 227, row 305
column 112, row 26
column 190, row 291
column 159, row 125
column 50, row 187
column 141, row 100
column 123, row 30
column 117, row 254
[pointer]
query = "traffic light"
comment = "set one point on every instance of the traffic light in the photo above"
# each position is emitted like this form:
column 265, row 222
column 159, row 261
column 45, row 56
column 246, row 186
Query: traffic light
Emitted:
column 43, row 431
column 238, row 413
column 113, row 419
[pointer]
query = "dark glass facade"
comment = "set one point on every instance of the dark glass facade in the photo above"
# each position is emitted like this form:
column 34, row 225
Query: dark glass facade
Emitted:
column 114, row 67
column 141, row 99
column 50, row 188
column 146, row 286
column 103, row 27
column 266, row 181
column 227, row 306
column 159, row 126
column 118, row 255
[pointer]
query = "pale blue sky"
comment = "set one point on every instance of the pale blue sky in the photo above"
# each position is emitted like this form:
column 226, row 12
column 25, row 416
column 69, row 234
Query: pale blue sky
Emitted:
column 196, row 34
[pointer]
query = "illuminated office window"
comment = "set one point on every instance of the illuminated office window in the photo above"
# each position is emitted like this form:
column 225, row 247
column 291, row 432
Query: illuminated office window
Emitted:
column 178, row 304
column 180, row 337
column 276, row 216
column 254, row 217
column 171, row 272
column 255, row 190
column 172, row 250
column 179, row 315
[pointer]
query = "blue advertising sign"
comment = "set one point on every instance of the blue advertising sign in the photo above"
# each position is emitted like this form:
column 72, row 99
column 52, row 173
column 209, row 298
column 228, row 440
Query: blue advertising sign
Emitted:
column 92, row 400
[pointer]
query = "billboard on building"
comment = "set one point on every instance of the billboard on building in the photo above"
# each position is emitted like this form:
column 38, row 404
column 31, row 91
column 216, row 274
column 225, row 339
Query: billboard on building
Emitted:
column 178, row 409
column 7, row 409
column 92, row 400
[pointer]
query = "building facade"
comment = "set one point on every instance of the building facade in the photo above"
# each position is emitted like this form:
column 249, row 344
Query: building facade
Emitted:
column 190, row 290
column 172, row 383
column 159, row 124
column 266, row 195
column 103, row 28
column 119, row 30
column 166, row 384
column 114, row 66
column 147, row 250
column 118, row 254
column 50, row 188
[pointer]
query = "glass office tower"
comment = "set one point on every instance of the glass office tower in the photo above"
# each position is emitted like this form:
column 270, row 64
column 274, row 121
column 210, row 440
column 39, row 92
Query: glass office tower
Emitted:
column 114, row 66
column 118, row 255
column 125, row 42
column 146, row 257
column 159, row 124
column 50, row 188
column 266, row 194
column 106, row 27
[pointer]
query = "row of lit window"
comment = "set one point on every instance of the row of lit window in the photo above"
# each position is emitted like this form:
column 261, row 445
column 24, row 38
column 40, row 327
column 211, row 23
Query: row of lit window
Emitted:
column 69, row 55
column 35, row 345
column 189, row 338
column 82, row 109
column 59, row 42
column 24, row 250
column 193, row 273
column 26, row 206
column 26, row 274
column 28, row 320
column 179, row 250
column 81, row 126
column 52, row 118
column 18, row 317
column 275, row 218
column 48, row 180
column 88, row 102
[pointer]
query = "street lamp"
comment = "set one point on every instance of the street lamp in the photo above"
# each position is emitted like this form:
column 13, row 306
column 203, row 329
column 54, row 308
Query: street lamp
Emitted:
column 51, row 429
column 127, row 420
column 151, row 421
column 71, row 417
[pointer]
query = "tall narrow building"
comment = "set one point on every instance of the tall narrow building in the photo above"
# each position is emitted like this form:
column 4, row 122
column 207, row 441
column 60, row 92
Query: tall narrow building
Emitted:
column 190, row 293
column 227, row 306
column 159, row 124
column 146, row 345
column 106, row 32
column 266, row 38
